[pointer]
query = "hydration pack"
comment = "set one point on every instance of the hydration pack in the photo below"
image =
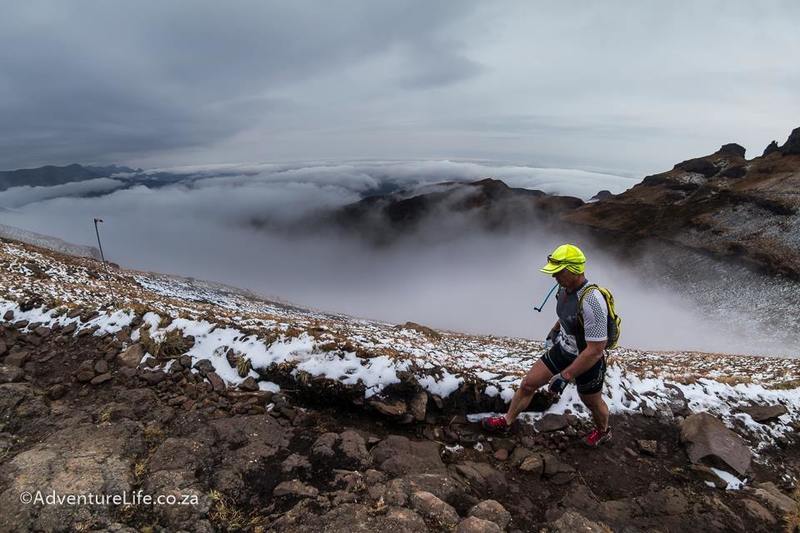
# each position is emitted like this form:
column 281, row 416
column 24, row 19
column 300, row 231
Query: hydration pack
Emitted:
column 614, row 320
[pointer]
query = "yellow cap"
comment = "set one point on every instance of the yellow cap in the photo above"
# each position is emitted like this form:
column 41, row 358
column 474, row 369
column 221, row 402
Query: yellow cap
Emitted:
column 566, row 256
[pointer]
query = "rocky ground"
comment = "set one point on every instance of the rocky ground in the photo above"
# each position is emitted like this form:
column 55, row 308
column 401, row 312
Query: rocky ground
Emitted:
column 261, row 416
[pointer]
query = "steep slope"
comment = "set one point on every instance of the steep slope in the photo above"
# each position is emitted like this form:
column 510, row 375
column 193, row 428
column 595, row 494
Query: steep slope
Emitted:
column 264, row 416
column 721, row 204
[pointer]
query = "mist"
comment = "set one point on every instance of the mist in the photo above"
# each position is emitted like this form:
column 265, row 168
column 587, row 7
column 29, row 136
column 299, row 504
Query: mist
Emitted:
column 449, row 274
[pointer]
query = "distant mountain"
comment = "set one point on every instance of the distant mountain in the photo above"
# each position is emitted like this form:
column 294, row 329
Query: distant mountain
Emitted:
column 51, row 175
column 722, row 204
column 488, row 204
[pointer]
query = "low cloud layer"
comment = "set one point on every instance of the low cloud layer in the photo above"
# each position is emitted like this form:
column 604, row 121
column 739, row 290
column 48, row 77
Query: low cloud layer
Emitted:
column 473, row 281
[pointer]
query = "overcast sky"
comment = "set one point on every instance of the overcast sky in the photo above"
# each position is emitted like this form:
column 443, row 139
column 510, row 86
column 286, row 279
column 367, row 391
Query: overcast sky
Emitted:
column 624, row 87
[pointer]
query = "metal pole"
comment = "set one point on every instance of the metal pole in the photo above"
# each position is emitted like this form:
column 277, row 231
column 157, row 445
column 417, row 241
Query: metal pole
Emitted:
column 97, row 232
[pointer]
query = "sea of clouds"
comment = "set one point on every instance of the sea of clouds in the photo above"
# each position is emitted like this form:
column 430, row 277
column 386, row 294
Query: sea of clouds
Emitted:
column 471, row 281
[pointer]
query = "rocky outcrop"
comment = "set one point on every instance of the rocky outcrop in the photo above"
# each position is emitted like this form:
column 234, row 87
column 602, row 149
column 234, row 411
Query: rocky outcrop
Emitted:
column 722, row 204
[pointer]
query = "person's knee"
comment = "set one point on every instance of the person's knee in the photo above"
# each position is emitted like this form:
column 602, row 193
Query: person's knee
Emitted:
column 528, row 386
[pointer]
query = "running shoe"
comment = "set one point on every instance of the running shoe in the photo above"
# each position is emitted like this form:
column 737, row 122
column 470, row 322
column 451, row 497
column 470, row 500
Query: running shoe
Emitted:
column 597, row 437
column 495, row 424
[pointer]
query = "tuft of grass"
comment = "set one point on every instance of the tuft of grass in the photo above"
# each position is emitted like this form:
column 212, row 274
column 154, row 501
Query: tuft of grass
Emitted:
column 226, row 515
column 243, row 366
column 139, row 469
column 786, row 385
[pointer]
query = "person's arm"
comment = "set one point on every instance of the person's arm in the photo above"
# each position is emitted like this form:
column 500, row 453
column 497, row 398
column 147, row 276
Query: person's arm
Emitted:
column 586, row 360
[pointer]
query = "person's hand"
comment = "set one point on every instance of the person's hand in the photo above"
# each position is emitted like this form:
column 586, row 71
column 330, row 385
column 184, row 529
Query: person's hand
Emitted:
column 557, row 384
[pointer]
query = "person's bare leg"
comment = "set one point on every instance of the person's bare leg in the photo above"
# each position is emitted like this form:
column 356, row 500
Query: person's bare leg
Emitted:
column 598, row 407
column 537, row 376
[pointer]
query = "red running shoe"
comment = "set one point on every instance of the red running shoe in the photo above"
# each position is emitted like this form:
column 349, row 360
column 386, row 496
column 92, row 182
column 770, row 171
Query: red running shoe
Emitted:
column 495, row 424
column 597, row 437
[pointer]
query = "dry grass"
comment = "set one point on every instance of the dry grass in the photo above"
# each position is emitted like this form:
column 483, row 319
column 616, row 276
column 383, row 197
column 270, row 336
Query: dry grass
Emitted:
column 792, row 520
column 786, row 385
column 243, row 366
column 226, row 515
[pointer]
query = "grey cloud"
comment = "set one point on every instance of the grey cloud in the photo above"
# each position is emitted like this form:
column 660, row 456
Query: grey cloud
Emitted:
column 97, row 82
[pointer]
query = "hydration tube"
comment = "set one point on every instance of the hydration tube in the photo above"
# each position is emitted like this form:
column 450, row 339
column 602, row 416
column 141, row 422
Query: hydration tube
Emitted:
column 539, row 309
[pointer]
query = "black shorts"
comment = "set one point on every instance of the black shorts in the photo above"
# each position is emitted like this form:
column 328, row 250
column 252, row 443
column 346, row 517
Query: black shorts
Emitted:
column 590, row 382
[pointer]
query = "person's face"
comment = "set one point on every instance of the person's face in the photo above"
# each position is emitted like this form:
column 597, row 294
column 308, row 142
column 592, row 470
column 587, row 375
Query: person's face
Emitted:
column 565, row 278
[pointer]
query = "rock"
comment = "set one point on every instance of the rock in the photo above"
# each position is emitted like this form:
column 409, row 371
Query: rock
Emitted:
column 323, row 446
column 393, row 408
column 434, row 509
column 425, row 330
column 8, row 316
column 473, row 524
column 216, row 382
column 397, row 456
column 792, row 144
column 11, row 374
column 353, row 448
column 204, row 366
column 519, row 454
column 82, row 458
column 85, row 375
column 249, row 384
column 552, row 422
column 732, row 149
column 758, row 511
column 132, row 356
column 440, row 485
column 492, row 511
column 649, row 447
column 3, row 348
column 69, row 329
column 533, row 464
column 18, row 358
column 572, row 521
column 295, row 489
column 418, row 406
column 295, row 463
column 501, row 454
column 102, row 378
column 765, row 413
column 771, row 147
column 705, row 436
column 482, row 477
column 768, row 493
column 602, row 195
column 42, row 331
column 101, row 366
column 153, row 377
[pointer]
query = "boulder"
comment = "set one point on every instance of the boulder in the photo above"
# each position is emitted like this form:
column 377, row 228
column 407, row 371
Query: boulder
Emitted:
column 82, row 458
column 204, row 366
column 11, row 374
column 434, row 509
column 397, row 456
column 706, row 437
column 353, row 449
column 533, row 464
column 552, row 422
column 132, row 356
column 771, row 495
column 295, row 489
column 216, row 382
column 758, row 511
column 765, row 413
column 393, row 408
column 482, row 477
column 647, row 447
column 492, row 511
column 473, row 524
column 439, row 484
column 249, row 384
column 572, row 521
